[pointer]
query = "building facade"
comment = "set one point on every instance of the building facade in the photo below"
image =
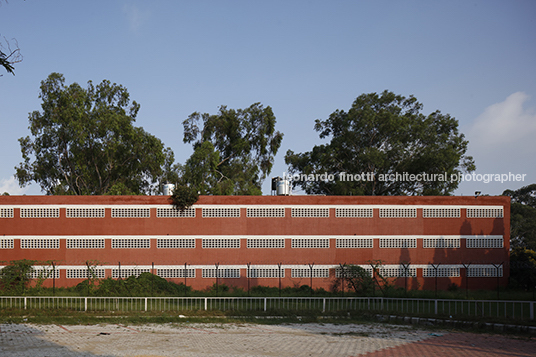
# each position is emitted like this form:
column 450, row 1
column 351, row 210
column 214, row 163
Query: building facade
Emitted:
column 244, row 241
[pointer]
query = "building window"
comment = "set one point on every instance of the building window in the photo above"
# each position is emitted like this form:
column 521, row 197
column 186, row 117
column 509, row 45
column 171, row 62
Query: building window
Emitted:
column 310, row 212
column 84, row 212
column 175, row 243
column 85, row 243
column 222, row 273
column 175, row 273
column 265, row 212
column 441, row 212
column 306, row 272
column 44, row 273
column 484, row 272
column 349, row 273
column 82, row 273
column 230, row 212
column 265, row 272
column 39, row 213
column 354, row 212
column 131, row 212
column 40, row 243
column 209, row 243
column 126, row 272
column 398, row 242
column 170, row 212
column 354, row 243
column 442, row 272
column 7, row 243
column 398, row 213
column 310, row 243
column 484, row 242
column 441, row 242
column 398, row 272
column 131, row 243
column 484, row 213
column 6, row 212
column 266, row 243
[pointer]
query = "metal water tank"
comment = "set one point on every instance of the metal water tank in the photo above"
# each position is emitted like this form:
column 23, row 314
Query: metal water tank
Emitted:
column 168, row 189
column 283, row 188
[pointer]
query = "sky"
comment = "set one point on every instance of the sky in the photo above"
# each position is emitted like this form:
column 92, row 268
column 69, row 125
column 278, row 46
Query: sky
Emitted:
column 474, row 60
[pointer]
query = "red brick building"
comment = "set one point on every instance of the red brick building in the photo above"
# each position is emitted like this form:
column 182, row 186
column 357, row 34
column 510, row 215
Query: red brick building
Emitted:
column 259, row 239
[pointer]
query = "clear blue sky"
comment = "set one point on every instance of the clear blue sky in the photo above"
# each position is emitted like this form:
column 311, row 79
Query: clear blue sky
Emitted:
column 474, row 60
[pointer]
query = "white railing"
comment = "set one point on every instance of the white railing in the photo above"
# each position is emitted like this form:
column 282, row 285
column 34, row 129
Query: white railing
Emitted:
column 510, row 309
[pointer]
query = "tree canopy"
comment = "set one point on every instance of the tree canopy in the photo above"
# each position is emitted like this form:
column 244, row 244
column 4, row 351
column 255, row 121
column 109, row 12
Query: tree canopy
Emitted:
column 233, row 150
column 83, row 142
column 383, row 135
column 523, row 217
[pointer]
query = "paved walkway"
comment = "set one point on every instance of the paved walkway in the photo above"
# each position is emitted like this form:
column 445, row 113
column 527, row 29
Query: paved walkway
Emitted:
column 155, row 340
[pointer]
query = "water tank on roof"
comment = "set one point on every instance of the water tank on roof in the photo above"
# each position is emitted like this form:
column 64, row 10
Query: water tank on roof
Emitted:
column 283, row 187
column 168, row 189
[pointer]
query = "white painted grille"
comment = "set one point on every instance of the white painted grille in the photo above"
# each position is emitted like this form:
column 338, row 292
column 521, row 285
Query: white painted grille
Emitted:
column 266, row 243
column 310, row 243
column 39, row 243
column 222, row 273
column 354, row 212
column 7, row 243
column 310, row 212
column 44, row 273
column 398, row 242
column 398, row 213
column 82, row 273
column 209, row 243
column 265, row 212
column 39, row 213
column 221, row 212
column 175, row 243
column 484, row 213
column 306, row 272
column 131, row 212
column 175, row 273
column 348, row 273
column 441, row 242
column 441, row 272
column 84, row 212
column 484, row 272
column 131, row 243
column 125, row 273
column 85, row 243
column 175, row 213
column 484, row 243
column 441, row 212
column 397, row 272
column 354, row 243
column 6, row 212
column 265, row 273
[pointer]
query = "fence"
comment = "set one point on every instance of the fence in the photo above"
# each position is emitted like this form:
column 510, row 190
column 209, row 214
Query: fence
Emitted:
column 515, row 310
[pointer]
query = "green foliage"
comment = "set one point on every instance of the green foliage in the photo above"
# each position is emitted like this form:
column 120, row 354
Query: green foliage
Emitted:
column 354, row 277
column 15, row 277
column 83, row 142
column 184, row 197
column 384, row 135
column 523, row 268
column 234, row 150
column 523, row 217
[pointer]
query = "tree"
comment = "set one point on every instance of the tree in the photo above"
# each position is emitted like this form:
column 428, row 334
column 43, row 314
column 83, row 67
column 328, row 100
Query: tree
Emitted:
column 9, row 56
column 523, row 217
column 379, row 137
column 15, row 277
column 233, row 150
column 84, row 142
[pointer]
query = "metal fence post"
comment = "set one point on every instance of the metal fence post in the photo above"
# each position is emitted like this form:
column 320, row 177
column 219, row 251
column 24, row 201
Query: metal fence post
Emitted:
column 145, row 304
column 324, row 305
column 24, row 303
column 532, row 310
column 264, row 304
column 206, row 304
column 85, row 304
column 435, row 306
